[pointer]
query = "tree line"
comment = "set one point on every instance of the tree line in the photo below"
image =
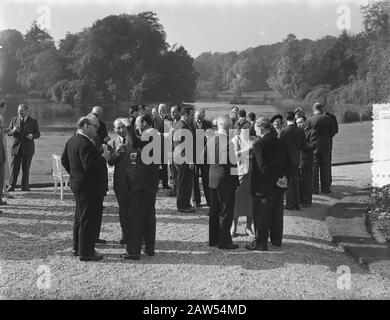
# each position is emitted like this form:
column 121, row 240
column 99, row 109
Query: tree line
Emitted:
column 119, row 58
column 345, row 70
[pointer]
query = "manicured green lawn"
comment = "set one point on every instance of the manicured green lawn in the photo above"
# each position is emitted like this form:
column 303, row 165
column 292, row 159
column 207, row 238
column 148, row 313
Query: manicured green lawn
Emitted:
column 352, row 143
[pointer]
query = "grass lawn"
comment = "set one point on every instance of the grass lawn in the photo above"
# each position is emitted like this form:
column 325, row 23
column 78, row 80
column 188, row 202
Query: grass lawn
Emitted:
column 352, row 143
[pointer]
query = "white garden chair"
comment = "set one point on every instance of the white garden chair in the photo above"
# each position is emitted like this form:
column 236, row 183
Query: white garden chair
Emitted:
column 59, row 174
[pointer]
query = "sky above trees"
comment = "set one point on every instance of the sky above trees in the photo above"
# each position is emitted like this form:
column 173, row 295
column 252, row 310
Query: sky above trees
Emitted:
column 201, row 25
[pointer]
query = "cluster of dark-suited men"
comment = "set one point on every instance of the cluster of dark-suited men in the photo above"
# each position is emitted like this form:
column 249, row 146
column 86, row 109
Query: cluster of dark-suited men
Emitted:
column 287, row 156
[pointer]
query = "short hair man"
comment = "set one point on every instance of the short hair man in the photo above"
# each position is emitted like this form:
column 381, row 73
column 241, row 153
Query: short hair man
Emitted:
column 306, row 165
column 223, row 187
column 201, row 170
column 269, row 170
column 102, row 134
column 119, row 158
column 24, row 130
column 234, row 114
column 88, row 181
column 142, row 216
column 185, row 173
column 324, row 127
column 294, row 138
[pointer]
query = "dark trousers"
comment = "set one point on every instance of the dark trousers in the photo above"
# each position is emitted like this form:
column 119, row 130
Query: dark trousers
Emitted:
column 174, row 169
column 221, row 214
column 142, row 222
column 164, row 175
column 330, row 163
column 16, row 161
column 99, row 215
column 292, row 194
column 268, row 219
column 185, row 181
column 321, row 167
column 86, row 223
column 306, row 184
column 202, row 170
column 122, row 185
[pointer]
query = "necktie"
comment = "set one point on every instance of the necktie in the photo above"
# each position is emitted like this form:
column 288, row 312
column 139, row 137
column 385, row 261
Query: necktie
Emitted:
column 21, row 123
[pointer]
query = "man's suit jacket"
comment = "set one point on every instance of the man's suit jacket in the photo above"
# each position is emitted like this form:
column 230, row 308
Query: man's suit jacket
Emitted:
column 294, row 139
column 334, row 121
column 324, row 127
column 20, row 140
column 85, row 165
column 146, row 176
column 183, row 125
column 101, row 134
column 307, row 156
column 204, row 125
column 221, row 173
column 271, row 161
column 121, row 162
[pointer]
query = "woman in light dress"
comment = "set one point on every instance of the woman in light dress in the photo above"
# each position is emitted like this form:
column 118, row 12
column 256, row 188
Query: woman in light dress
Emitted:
column 243, row 144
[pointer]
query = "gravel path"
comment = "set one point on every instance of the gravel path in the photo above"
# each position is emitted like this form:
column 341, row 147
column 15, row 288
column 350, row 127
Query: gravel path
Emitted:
column 36, row 231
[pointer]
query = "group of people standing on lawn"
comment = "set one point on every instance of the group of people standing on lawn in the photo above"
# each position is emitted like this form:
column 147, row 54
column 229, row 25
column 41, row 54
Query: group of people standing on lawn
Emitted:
column 247, row 165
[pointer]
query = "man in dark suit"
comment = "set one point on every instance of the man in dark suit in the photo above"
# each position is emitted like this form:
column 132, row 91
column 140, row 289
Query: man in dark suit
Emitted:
column 336, row 130
column 223, row 185
column 294, row 139
column 102, row 134
column 201, row 125
column 88, row 181
column 306, row 166
column 175, row 115
column 160, row 124
column 119, row 158
column 270, row 166
column 324, row 127
column 145, row 177
column 185, row 159
column 24, row 130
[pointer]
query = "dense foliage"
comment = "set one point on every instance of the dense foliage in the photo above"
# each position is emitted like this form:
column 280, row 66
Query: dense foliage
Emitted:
column 379, row 209
column 119, row 58
column 345, row 70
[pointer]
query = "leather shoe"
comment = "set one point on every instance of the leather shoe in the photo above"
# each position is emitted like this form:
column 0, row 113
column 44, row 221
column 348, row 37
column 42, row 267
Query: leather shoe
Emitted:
column 101, row 241
column 148, row 252
column 213, row 244
column 305, row 205
column 75, row 253
column 327, row 191
column 10, row 189
column 288, row 208
column 94, row 257
column 297, row 208
column 129, row 256
column 26, row 189
column 229, row 247
column 251, row 246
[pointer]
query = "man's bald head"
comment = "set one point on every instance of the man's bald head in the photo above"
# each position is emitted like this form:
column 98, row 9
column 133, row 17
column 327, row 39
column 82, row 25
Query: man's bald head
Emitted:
column 98, row 111
column 263, row 126
column 200, row 114
column 224, row 123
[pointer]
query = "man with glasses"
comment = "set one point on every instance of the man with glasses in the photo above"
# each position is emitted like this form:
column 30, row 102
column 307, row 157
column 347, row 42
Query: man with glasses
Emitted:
column 119, row 158
column 88, row 181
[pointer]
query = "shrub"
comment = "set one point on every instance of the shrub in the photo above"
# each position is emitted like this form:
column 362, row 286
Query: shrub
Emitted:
column 379, row 209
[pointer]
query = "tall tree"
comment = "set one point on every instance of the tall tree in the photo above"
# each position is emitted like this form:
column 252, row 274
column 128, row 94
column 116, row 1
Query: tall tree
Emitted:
column 10, row 41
